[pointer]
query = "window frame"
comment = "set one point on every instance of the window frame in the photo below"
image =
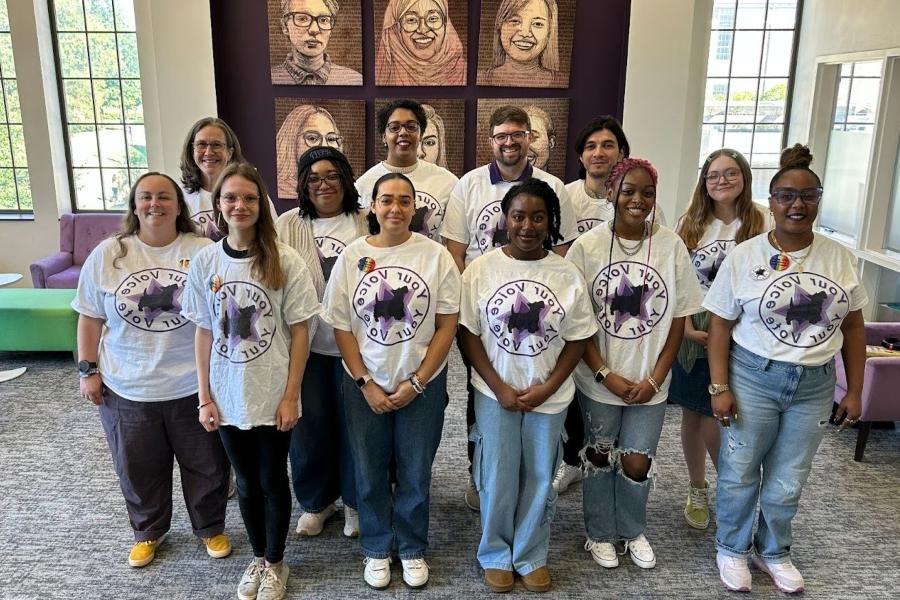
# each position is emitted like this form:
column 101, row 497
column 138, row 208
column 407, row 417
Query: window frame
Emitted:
column 18, row 212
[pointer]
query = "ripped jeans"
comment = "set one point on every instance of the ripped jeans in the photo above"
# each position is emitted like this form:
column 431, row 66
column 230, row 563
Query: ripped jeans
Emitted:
column 615, row 506
column 516, row 455
column 783, row 409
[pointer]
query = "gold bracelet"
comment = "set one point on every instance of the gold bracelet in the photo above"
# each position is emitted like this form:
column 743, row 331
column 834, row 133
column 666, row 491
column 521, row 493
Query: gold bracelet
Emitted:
column 653, row 383
column 199, row 406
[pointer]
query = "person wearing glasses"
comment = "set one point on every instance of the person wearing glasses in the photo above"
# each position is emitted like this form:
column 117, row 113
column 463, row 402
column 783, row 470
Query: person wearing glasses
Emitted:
column 252, row 299
column 401, row 123
column 433, row 147
column 328, row 218
column 305, row 127
column 419, row 45
column 782, row 305
column 308, row 25
column 474, row 223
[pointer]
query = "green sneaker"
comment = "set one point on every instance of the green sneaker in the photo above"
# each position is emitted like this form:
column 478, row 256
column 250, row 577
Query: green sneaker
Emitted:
column 696, row 512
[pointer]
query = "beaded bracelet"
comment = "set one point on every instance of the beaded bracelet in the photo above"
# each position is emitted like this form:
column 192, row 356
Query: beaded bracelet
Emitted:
column 653, row 384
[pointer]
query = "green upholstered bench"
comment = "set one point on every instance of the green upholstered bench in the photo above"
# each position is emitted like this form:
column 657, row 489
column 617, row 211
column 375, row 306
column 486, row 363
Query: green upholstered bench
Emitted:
column 37, row 319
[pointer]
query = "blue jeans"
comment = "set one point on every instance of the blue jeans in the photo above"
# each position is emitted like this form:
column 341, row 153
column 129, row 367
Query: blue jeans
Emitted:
column 615, row 505
column 321, row 460
column 516, row 456
column 783, row 410
column 409, row 438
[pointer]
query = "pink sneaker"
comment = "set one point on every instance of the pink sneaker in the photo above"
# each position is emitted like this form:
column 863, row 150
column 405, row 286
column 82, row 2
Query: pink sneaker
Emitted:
column 785, row 575
column 734, row 573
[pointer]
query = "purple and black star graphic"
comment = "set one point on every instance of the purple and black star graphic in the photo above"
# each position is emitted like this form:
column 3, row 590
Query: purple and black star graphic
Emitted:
column 391, row 305
column 499, row 233
column 525, row 318
column 157, row 299
column 629, row 301
column 709, row 272
column 239, row 323
column 804, row 310
column 420, row 220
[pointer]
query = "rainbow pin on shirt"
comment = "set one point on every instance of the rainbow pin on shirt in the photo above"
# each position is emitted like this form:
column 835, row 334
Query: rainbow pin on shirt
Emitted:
column 780, row 262
column 366, row 264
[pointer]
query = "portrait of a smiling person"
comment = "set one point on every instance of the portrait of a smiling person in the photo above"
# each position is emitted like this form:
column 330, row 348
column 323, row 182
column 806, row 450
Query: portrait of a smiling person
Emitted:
column 418, row 45
column 308, row 25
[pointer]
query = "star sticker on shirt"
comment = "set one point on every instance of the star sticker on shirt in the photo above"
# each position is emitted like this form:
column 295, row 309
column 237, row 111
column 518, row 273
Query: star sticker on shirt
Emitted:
column 157, row 299
column 629, row 301
column 391, row 305
column 805, row 309
column 239, row 323
column 525, row 318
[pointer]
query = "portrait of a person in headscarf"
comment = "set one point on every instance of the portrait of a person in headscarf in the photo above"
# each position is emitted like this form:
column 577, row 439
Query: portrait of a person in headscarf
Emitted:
column 418, row 45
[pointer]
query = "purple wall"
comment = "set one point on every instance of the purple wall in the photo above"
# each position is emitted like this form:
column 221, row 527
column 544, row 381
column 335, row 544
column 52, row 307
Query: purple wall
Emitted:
column 246, row 95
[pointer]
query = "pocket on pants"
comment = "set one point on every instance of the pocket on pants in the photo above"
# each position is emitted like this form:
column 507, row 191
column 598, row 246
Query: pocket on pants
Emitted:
column 477, row 457
column 550, row 508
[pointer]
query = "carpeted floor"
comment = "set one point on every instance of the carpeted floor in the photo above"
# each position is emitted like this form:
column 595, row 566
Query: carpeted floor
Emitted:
column 64, row 532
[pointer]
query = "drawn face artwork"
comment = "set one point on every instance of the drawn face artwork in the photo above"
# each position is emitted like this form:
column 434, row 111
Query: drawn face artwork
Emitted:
column 601, row 152
column 211, row 151
column 303, row 24
column 541, row 142
column 430, row 147
column 319, row 130
column 524, row 35
column 422, row 29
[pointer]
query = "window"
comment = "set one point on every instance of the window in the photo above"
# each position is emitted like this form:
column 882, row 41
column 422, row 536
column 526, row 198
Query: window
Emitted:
column 99, row 78
column 749, row 74
column 15, row 188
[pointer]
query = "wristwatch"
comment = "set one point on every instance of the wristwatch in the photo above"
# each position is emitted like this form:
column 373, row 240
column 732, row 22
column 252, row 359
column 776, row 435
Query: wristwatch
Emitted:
column 715, row 389
column 601, row 374
column 362, row 381
column 87, row 368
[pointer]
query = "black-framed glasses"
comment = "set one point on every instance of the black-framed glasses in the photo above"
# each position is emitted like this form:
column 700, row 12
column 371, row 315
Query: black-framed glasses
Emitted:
column 787, row 196
column 314, row 138
column 727, row 175
column 409, row 126
column 411, row 21
column 516, row 136
column 304, row 20
column 315, row 181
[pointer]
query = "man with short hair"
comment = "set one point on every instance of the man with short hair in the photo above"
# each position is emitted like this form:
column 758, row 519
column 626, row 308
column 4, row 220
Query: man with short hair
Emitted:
column 308, row 25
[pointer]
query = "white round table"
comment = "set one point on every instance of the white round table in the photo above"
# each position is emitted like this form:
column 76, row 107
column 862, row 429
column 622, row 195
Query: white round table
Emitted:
column 7, row 279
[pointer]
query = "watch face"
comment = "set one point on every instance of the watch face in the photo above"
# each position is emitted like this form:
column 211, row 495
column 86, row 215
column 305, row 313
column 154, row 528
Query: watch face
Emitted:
column 84, row 366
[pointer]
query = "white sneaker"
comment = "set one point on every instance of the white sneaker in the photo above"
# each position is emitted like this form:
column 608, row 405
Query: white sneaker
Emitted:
column 473, row 500
column 378, row 572
column 249, row 585
column 415, row 572
column 603, row 553
column 641, row 552
column 733, row 573
column 311, row 524
column 785, row 575
column 566, row 475
column 351, row 522
column 273, row 584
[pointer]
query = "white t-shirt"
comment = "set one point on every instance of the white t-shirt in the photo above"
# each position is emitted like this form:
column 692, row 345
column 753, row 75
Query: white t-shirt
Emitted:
column 590, row 212
column 433, row 186
column 525, row 311
column 474, row 216
column 199, row 204
column 717, row 241
column 147, row 347
column 248, row 365
column 388, row 299
column 634, row 304
column 788, row 315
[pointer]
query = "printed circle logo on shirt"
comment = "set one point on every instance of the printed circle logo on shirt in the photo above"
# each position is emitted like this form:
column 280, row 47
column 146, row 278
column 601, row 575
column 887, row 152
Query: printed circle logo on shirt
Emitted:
column 585, row 225
column 708, row 259
column 490, row 228
column 206, row 225
column 429, row 214
column 328, row 249
column 524, row 316
column 803, row 309
column 391, row 302
column 630, row 297
column 247, row 322
column 151, row 299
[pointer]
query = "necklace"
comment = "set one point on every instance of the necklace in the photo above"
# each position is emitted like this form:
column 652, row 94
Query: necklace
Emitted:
column 591, row 193
column 633, row 249
column 782, row 260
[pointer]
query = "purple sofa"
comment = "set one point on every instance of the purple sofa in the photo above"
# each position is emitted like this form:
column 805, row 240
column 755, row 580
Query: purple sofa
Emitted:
column 78, row 234
column 881, row 380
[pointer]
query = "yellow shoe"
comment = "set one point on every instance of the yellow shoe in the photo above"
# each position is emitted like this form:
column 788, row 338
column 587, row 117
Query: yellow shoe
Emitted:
column 218, row 546
column 142, row 552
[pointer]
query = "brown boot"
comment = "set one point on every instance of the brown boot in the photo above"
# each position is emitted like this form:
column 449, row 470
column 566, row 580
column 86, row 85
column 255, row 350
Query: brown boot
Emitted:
column 538, row 580
column 499, row 580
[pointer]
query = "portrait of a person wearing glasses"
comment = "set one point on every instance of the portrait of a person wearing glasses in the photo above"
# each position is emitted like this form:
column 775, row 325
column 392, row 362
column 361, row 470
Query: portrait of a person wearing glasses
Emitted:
column 305, row 127
column 418, row 45
column 308, row 25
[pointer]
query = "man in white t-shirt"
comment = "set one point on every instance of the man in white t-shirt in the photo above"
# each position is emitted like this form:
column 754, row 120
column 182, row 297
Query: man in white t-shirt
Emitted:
column 473, row 221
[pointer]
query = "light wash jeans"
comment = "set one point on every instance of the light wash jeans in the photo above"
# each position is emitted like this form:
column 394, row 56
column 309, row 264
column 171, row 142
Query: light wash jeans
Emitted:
column 783, row 410
column 516, row 455
column 409, row 438
column 615, row 506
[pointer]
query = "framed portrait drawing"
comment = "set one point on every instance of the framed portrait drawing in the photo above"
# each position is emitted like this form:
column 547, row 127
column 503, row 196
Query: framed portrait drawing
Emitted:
column 442, row 142
column 549, row 131
column 526, row 43
column 315, row 42
column 303, row 123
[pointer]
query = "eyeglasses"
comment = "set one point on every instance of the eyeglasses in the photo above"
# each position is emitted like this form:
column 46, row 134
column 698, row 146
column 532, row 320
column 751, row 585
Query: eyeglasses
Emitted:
column 315, row 181
column 232, row 199
column 516, row 136
column 728, row 175
column 409, row 126
column 787, row 196
column 304, row 20
column 214, row 146
column 411, row 21
column 314, row 138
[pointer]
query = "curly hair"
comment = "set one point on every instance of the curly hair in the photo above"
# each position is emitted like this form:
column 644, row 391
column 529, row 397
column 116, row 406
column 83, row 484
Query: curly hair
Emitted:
column 539, row 189
column 796, row 158
column 414, row 107
column 191, row 176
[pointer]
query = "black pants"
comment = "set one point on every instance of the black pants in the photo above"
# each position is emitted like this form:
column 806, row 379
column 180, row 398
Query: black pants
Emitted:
column 259, row 458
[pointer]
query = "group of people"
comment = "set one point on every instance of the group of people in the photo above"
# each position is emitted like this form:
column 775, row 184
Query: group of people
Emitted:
column 322, row 335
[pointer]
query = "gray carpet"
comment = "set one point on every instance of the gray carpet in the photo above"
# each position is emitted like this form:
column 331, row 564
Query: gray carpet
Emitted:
column 64, row 532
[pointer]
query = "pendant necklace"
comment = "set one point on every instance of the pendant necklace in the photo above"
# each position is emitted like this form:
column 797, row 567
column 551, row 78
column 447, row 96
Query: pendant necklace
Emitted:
column 782, row 260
